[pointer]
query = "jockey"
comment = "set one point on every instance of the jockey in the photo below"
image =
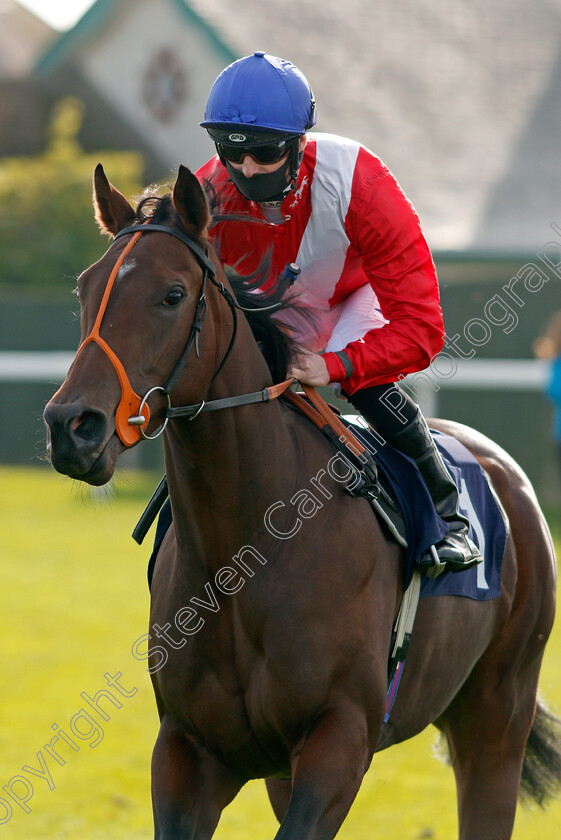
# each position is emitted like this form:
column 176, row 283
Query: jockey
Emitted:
column 366, row 272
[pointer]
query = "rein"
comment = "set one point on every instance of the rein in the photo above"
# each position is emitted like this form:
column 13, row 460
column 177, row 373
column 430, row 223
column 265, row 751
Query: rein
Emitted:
column 133, row 412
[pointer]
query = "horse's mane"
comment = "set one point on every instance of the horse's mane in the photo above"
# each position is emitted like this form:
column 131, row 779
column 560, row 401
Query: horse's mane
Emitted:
column 272, row 336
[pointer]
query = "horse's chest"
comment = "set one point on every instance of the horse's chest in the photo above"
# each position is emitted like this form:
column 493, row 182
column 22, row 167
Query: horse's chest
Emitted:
column 202, row 689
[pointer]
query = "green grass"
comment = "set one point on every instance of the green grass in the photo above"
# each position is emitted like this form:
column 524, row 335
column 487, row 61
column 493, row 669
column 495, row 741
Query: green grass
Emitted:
column 74, row 601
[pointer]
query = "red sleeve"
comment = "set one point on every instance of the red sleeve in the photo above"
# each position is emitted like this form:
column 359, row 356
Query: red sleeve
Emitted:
column 384, row 229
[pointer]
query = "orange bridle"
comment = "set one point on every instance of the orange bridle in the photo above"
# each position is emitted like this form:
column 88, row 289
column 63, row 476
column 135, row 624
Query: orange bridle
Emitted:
column 133, row 414
column 130, row 403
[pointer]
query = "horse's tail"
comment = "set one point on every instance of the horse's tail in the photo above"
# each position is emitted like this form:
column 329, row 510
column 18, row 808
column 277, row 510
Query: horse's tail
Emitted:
column 541, row 770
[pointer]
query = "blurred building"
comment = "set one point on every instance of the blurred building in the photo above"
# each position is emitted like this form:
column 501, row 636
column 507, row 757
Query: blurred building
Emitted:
column 142, row 70
column 23, row 37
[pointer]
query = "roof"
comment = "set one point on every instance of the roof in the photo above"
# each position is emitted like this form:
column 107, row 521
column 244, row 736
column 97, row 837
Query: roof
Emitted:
column 131, row 42
column 101, row 12
column 23, row 37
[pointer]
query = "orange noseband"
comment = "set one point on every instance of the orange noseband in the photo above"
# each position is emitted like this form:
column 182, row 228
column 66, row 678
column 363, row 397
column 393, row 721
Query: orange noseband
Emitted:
column 129, row 406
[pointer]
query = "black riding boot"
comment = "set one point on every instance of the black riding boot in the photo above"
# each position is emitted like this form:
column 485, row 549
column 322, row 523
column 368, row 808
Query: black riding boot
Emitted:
column 456, row 549
column 399, row 420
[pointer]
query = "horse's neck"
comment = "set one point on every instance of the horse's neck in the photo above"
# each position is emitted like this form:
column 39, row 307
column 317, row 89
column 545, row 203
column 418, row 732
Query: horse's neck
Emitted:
column 225, row 468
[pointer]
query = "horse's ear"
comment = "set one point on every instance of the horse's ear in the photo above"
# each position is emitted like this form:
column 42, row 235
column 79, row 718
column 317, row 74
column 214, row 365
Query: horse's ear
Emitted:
column 112, row 210
column 190, row 202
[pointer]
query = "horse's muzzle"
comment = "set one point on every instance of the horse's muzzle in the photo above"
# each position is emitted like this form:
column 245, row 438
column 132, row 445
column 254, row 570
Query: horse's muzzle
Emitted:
column 76, row 437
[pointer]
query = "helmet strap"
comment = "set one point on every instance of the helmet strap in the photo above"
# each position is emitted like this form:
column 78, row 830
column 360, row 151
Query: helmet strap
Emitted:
column 296, row 157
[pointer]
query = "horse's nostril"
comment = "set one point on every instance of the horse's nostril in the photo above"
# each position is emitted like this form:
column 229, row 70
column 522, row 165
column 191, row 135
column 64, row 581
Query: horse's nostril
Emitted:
column 77, row 422
column 89, row 427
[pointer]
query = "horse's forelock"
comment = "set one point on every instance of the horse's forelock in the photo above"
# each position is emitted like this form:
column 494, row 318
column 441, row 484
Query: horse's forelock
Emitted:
column 159, row 209
column 156, row 208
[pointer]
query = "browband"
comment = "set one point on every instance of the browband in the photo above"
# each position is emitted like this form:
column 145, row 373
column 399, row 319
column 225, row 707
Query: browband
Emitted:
column 202, row 258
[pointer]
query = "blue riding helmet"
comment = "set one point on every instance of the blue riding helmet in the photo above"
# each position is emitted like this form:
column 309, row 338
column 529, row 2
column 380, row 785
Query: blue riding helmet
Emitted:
column 261, row 92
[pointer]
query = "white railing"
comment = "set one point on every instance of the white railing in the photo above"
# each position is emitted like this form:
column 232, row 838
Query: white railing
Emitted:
column 488, row 374
column 34, row 367
column 494, row 374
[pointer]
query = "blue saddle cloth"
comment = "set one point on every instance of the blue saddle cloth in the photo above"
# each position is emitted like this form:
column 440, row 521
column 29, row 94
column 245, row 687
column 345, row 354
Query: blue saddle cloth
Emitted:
column 401, row 478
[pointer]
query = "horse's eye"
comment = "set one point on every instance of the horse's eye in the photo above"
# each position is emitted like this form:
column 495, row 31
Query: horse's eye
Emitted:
column 173, row 297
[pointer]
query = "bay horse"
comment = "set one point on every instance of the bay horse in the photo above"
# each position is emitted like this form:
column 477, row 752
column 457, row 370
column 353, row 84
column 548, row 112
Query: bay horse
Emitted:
column 272, row 606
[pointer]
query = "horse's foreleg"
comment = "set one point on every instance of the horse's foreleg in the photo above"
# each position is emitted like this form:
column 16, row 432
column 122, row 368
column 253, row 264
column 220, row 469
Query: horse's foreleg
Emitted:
column 189, row 788
column 328, row 774
column 280, row 791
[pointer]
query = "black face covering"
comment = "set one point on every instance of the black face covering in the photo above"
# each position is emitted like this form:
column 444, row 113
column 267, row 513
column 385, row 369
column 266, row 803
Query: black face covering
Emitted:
column 269, row 186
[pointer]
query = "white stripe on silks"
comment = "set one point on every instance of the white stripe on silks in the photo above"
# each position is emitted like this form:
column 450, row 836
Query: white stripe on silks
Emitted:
column 323, row 248
column 324, row 245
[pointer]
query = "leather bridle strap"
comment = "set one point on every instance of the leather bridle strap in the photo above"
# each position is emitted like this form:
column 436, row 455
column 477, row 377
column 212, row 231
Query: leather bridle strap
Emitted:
column 133, row 413
column 209, row 272
column 203, row 259
column 325, row 418
column 331, row 418
column 265, row 395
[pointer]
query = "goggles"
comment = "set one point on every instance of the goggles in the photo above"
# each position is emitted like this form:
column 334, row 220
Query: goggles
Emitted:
column 234, row 146
column 262, row 154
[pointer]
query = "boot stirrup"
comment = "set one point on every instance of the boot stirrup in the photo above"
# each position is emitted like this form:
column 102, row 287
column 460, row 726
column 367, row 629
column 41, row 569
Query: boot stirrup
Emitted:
column 437, row 566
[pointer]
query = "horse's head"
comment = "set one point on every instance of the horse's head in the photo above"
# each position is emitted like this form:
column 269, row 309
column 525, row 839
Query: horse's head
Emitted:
column 142, row 304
